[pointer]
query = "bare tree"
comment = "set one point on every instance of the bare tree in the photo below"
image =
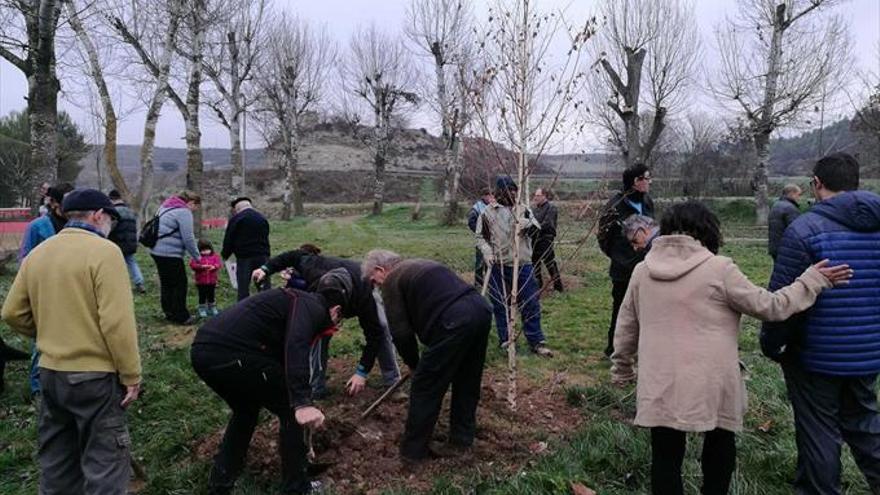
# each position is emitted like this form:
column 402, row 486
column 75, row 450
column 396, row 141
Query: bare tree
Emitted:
column 777, row 60
column 27, row 41
column 291, row 78
column 108, row 112
column 137, row 25
column 230, row 57
column 377, row 72
column 440, row 29
column 645, row 53
column 524, row 99
column 192, row 18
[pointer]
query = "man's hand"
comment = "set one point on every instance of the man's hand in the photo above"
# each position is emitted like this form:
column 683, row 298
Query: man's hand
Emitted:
column 355, row 384
column 309, row 417
column 132, row 392
column 258, row 275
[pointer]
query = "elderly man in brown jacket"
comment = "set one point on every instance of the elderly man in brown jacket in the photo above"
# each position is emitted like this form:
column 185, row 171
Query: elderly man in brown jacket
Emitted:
column 681, row 316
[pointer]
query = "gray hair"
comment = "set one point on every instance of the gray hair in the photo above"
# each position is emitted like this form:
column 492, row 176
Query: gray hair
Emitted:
column 790, row 189
column 635, row 222
column 379, row 258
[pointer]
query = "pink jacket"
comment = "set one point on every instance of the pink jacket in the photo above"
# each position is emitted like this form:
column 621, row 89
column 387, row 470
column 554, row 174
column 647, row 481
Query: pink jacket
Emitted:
column 203, row 275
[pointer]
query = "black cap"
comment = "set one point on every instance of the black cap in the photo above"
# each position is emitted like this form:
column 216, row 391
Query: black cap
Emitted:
column 504, row 182
column 239, row 200
column 336, row 286
column 88, row 200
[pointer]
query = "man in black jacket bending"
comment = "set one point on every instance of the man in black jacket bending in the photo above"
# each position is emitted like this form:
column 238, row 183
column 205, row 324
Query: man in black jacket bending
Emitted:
column 257, row 355
column 632, row 199
column 310, row 265
column 427, row 302
column 246, row 237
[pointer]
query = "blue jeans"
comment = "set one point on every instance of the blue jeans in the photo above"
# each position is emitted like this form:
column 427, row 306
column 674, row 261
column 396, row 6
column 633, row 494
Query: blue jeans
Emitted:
column 35, row 370
column 134, row 271
column 527, row 301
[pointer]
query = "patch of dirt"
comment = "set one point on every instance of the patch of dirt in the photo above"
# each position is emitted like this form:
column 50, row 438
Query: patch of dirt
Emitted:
column 178, row 337
column 365, row 452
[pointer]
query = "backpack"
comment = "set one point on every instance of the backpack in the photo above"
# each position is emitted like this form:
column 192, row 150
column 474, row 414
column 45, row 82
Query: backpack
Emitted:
column 149, row 235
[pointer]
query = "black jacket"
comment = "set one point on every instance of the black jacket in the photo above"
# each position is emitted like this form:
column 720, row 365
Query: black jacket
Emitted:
column 546, row 216
column 247, row 235
column 282, row 324
column 612, row 242
column 125, row 234
column 783, row 212
column 312, row 267
column 416, row 292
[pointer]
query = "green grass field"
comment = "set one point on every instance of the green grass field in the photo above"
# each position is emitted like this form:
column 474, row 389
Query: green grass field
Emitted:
column 605, row 452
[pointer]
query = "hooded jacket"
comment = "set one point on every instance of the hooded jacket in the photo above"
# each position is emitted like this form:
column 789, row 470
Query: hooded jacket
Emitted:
column 176, row 235
column 681, row 318
column 840, row 335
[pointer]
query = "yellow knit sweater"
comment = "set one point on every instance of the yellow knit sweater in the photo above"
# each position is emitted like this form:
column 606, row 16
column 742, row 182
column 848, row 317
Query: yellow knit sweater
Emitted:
column 72, row 292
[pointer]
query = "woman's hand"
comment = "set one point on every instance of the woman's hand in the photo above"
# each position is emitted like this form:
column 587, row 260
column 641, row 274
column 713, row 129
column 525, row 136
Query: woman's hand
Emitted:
column 837, row 275
column 309, row 417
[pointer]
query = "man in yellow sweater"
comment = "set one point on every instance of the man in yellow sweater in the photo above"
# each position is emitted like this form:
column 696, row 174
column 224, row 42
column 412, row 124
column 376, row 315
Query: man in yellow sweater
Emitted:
column 72, row 293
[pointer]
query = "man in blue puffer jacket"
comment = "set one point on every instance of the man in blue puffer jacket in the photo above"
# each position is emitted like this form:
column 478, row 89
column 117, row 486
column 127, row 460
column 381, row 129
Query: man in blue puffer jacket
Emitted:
column 830, row 354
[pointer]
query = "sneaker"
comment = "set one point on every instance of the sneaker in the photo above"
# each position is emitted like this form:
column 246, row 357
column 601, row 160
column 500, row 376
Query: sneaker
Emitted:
column 139, row 288
column 213, row 310
column 203, row 312
column 542, row 350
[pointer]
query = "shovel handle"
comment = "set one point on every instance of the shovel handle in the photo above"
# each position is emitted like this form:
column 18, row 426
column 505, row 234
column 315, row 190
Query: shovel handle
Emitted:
column 400, row 381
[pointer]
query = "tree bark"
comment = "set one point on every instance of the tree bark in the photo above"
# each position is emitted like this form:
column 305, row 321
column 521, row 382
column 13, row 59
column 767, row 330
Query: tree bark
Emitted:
column 380, row 157
column 194, row 162
column 759, row 178
column 235, row 156
column 145, row 190
column 110, row 123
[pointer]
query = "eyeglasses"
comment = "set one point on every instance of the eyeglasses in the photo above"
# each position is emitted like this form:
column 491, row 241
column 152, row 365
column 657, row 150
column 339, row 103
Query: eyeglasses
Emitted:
column 644, row 177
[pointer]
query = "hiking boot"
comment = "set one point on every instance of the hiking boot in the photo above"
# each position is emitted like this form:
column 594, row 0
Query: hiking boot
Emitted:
column 542, row 350
column 203, row 311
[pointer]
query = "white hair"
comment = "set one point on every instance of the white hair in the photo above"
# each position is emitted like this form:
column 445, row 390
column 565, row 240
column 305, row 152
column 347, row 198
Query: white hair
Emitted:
column 635, row 222
column 379, row 258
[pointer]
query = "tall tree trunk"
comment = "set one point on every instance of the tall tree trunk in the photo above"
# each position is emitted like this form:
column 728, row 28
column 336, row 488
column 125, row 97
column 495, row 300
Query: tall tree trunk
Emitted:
column 194, row 162
column 235, row 156
column 110, row 122
column 296, row 185
column 762, row 126
column 41, row 22
column 145, row 190
column 287, row 196
column 452, row 157
column 382, row 137
column 759, row 178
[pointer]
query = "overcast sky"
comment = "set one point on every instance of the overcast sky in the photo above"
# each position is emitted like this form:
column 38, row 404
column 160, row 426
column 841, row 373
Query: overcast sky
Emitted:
column 343, row 16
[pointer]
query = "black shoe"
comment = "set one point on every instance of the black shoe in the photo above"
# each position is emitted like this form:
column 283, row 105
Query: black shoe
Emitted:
column 192, row 320
column 608, row 352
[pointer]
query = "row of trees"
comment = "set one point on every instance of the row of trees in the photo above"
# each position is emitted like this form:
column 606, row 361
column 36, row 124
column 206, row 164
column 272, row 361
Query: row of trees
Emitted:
column 632, row 71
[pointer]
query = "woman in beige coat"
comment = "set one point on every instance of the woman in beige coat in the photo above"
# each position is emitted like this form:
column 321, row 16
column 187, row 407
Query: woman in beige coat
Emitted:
column 681, row 316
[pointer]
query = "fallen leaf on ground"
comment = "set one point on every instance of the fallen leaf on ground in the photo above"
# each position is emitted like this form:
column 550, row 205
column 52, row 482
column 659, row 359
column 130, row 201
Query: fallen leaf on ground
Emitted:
column 579, row 489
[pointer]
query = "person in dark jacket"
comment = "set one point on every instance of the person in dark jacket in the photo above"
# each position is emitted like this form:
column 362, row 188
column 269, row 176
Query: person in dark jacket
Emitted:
column 486, row 198
column 310, row 267
column 542, row 240
column 632, row 199
column 9, row 354
column 783, row 212
column 427, row 302
column 125, row 235
column 830, row 355
column 246, row 237
column 256, row 355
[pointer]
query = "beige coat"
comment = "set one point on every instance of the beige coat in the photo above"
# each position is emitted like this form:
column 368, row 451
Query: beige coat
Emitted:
column 681, row 316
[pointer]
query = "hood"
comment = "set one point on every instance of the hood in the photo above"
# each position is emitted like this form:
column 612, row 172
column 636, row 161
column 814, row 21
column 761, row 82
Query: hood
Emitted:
column 174, row 202
column 856, row 210
column 674, row 256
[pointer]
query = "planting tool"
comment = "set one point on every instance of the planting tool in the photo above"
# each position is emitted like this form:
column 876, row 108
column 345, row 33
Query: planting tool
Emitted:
column 400, row 381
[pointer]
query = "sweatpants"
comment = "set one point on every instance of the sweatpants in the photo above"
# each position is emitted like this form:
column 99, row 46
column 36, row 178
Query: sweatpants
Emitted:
column 828, row 411
column 247, row 383
column 455, row 359
column 84, row 444
column 667, row 455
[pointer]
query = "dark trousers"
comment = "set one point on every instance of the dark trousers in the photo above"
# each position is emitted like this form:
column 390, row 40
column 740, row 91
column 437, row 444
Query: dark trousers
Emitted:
column 543, row 254
column 455, row 359
column 172, row 287
column 248, row 383
column 206, row 293
column 667, row 454
column 527, row 300
column 479, row 269
column 827, row 412
column 243, row 270
column 84, row 444
column 618, row 290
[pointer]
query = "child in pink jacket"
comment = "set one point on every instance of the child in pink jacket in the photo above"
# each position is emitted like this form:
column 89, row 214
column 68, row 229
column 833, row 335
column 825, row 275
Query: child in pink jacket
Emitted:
column 206, row 272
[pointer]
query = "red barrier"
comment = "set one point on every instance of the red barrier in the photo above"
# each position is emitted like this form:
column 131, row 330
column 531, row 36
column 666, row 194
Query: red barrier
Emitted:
column 214, row 223
column 13, row 227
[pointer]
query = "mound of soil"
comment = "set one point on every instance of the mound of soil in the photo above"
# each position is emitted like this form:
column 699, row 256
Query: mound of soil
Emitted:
column 365, row 453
